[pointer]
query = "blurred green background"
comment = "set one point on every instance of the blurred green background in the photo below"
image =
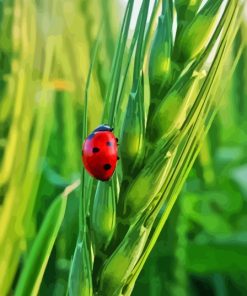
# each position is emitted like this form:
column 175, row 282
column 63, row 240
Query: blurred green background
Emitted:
column 45, row 53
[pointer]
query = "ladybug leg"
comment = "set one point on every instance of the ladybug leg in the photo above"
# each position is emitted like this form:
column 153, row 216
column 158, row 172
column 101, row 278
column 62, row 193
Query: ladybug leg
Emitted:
column 118, row 158
column 116, row 140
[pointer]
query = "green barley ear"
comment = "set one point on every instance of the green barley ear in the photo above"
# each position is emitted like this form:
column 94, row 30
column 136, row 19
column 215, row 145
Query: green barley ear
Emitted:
column 80, row 278
column 160, row 56
column 173, row 109
column 132, row 133
column 186, row 9
column 119, row 266
column 144, row 188
column 196, row 34
column 103, row 216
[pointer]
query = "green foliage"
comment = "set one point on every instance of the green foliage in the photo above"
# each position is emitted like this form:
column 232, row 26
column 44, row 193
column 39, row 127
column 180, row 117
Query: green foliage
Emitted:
column 35, row 264
column 67, row 66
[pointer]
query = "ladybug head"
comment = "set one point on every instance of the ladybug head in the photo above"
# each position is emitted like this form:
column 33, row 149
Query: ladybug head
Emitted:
column 103, row 128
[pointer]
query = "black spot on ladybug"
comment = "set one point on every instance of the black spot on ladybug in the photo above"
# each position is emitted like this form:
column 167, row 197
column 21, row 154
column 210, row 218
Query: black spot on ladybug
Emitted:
column 109, row 143
column 95, row 149
column 90, row 136
column 107, row 166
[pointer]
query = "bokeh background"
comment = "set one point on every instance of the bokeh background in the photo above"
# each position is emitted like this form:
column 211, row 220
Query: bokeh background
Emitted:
column 45, row 53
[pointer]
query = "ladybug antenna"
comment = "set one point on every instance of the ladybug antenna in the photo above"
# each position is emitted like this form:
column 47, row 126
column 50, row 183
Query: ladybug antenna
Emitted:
column 103, row 128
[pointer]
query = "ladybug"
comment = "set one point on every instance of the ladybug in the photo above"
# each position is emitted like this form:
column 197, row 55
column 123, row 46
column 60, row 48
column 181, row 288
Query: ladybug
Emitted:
column 99, row 153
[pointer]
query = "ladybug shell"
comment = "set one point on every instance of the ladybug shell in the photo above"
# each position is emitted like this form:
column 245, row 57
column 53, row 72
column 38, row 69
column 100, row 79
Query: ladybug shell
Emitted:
column 99, row 154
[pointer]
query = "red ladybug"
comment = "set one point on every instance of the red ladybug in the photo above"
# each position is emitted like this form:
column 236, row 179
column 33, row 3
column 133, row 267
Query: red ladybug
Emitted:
column 99, row 153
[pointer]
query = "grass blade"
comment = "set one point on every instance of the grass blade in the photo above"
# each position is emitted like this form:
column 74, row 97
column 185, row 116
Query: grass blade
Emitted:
column 37, row 259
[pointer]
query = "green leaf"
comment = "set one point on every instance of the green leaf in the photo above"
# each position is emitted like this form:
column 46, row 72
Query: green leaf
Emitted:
column 34, row 267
